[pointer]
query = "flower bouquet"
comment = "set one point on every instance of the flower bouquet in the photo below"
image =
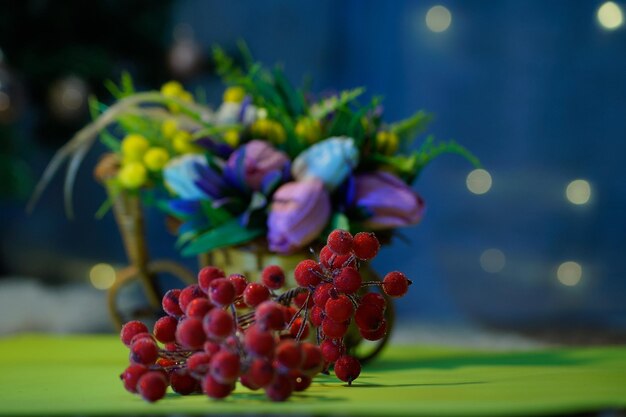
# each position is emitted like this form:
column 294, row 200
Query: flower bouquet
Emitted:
column 271, row 171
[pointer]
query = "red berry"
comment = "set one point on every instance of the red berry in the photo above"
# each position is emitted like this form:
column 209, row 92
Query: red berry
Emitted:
column 170, row 303
column 221, row 292
column 141, row 336
column 261, row 372
column 332, row 261
column 131, row 375
column 368, row 317
column 308, row 273
column 239, row 281
column 396, row 284
column 198, row 308
column 313, row 360
column 215, row 389
column 152, row 386
column 301, row 298
column 218, row 324
column 208, row 274
column 190, row 334
column 300, row 381
column 288, row 354
column 225, row 366
column 317, row 315
column 188, row 294
column 211, row 348
column 255, row 294
column 247, row 382
column 259, row 342
column 373, row 298
column 348, row 280
column 280, row 389
column 199, row 362
column 269, row 315
column 171, row 347
column 130, row 329
column 333, row 329
column 144, row 351
column 347, row 368
column 331, row 351
column 375, row 334
column 365, row 246
column 165, row 329
column 296, row 326
column 273, row 277
column 165, row 363
column 339, row 309
column 340, row 241
column 321, row 294
column 288, row 313
column 183, row 383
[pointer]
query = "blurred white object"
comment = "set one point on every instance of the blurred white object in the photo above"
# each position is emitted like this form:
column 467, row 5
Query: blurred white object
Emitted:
column 27, row 306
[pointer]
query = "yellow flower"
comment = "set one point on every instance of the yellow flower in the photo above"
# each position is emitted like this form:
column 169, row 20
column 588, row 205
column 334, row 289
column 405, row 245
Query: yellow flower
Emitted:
column 156, row 158
column 172, row 89
column 169, row 128
column 231, row 137
column 183, row 143
column 386, row 142
column 132, row 175
column 309, row 129
column 268, row 129
column 234, row 94
column 134, row 146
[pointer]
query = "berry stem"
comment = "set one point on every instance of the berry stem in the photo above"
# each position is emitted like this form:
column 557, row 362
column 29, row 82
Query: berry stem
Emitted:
column 304, row 318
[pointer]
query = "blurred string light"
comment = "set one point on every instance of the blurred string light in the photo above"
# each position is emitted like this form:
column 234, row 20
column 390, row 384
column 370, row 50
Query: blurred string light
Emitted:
column 569, row 273
column 610, row 15
column 102, row 276
column 438, row 19
column 578, row 192
column 492, row 260
column 478, row 181
column 67, row 98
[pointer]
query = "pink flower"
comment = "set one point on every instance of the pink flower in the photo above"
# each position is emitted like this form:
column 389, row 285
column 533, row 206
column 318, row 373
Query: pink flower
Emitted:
column 249, row 164
column 299, row 213
column 390, row 202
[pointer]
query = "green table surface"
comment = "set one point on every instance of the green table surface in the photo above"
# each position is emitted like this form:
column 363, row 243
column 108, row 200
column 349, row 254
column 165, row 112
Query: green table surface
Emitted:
column 78, row 375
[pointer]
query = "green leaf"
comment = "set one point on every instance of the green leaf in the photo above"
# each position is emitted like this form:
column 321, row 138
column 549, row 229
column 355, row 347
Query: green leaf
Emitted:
column 408, row 129
column 216, row 216
column 228, row 234
column 325, row 107
column 340, row 221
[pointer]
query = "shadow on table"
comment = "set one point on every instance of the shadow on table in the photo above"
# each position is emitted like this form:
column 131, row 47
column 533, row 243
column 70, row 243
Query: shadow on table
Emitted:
column 456, row 360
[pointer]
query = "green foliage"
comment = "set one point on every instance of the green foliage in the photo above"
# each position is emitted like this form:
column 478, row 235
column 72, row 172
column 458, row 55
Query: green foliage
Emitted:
column 228, row 234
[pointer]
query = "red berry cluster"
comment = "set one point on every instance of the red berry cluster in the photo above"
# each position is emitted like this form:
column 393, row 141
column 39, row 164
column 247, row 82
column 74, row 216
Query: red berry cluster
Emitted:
column 225, row 329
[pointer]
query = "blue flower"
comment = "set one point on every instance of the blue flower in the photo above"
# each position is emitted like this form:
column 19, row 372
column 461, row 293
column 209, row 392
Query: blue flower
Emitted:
column 190, row 177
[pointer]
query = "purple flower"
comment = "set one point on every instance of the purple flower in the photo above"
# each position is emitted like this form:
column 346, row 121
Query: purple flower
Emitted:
column 388, row 200
column 299, row 213
column 250, row 164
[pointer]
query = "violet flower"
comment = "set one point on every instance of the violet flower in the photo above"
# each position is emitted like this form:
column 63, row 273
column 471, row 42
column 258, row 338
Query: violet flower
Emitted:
column 190, row 177
column 300, row 210
column 250, row 164
column 388, row 200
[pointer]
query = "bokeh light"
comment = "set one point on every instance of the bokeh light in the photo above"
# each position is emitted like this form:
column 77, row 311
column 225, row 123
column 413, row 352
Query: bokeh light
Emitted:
column 569, row 273
column 102, row 276
column 578, row 192
column 492, row 260
column 610, row 15
column 478, row 181
column 438, row 18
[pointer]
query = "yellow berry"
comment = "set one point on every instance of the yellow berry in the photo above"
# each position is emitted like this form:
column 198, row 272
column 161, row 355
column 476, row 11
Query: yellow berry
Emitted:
column 156, row 158
column 172, row 89
column 277, row 133
column 169, row 128
column 132, row 175
column 234, row 94
column 269, row 129
column 260, row 128
column 231, row 137
column 386, row 142
column 186, row 96
column 134, row 146
column 308, row 129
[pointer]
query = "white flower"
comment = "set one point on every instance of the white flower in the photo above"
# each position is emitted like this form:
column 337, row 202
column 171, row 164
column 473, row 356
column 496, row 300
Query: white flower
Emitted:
column 330, row 160
column 231, row 113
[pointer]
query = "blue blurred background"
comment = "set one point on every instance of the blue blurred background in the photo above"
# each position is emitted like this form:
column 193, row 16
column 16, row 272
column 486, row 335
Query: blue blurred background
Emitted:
column 536, row 89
